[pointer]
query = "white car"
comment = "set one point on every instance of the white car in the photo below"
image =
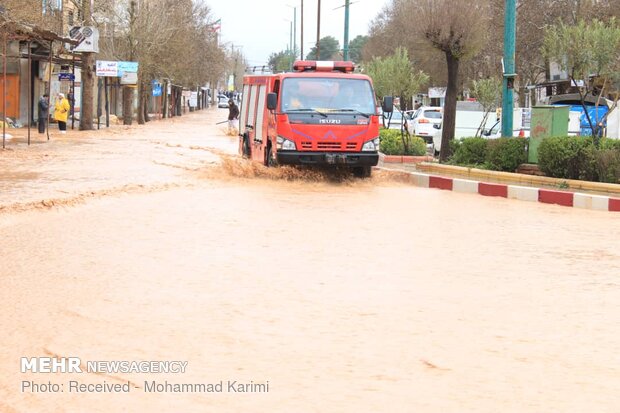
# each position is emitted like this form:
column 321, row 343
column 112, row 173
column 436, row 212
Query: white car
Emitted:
column 426, row 121
column 396, row 121
column 222, row 101
column 495, row 132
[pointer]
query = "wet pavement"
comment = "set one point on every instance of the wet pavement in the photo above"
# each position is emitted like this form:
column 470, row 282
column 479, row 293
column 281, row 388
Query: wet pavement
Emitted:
column 345, row 295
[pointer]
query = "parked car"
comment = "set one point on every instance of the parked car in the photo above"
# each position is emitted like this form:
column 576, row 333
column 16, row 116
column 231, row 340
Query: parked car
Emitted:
column 496, row 132
column 396, row 121
column 222, row 101
column 426, row 121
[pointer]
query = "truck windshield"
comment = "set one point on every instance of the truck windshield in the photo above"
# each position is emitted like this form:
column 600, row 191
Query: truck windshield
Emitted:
column 327, row 95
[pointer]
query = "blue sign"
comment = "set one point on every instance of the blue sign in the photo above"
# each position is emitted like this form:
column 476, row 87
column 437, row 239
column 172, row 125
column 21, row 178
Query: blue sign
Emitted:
column 66, row 76
column 156, row 88
column 129, row 67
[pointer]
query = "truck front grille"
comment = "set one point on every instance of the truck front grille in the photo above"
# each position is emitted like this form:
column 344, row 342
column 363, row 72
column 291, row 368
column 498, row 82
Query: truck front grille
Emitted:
column 329, row 145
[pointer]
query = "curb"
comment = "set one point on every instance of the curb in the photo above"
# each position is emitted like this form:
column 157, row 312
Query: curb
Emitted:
column 522, row 193
column 404, row 158
column 522, row 179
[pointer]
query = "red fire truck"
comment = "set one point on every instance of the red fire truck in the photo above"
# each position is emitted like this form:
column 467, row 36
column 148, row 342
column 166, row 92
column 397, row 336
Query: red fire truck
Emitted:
column 320, row 114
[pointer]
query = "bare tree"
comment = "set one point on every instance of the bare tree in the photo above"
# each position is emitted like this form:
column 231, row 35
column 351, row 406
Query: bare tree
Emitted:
column 447, row 25
column 170, row 39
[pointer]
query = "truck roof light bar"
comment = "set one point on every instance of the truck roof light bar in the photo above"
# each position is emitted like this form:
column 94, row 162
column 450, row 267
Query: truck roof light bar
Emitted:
column 323, row 66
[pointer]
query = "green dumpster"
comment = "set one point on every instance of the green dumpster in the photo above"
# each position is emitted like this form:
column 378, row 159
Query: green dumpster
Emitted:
column 546, row 121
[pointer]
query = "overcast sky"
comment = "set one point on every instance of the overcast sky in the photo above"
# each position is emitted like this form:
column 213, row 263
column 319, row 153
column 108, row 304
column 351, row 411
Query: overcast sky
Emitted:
column 262, row 27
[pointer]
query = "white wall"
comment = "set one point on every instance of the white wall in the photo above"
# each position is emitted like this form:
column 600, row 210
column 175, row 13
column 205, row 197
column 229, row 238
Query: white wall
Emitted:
column 613, row 124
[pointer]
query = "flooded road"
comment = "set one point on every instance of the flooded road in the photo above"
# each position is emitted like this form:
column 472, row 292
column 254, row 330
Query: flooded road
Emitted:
column 351, row 296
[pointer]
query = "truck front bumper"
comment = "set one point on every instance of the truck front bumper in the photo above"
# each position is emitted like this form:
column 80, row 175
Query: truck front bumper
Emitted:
column 328, row 158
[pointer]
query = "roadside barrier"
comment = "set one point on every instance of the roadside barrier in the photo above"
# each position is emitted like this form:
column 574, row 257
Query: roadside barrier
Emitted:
column 522, row 193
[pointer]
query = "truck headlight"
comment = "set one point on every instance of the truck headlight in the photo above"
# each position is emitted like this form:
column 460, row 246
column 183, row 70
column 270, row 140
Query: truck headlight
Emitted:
column 285, row 144
column 371, row 146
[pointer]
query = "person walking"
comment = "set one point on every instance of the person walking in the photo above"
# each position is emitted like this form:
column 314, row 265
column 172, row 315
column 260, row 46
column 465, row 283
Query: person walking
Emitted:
column 44, row 107
column 61, row 112
column 233, row 114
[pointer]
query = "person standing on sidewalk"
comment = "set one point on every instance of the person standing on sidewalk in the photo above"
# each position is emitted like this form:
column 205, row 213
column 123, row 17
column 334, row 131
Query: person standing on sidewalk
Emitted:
column 44, row 107
column 61, row 112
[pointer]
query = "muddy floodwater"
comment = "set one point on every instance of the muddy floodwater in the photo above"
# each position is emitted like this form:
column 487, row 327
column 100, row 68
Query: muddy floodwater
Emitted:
column 341, row 295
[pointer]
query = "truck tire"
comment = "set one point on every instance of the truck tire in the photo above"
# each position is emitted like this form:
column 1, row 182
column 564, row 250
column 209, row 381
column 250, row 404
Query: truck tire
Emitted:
column 269, row 161
column 246, row 146
column 362, row 171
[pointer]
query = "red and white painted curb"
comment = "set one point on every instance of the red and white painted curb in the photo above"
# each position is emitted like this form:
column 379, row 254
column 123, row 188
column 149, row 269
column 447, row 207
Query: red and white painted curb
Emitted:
column 523, row 193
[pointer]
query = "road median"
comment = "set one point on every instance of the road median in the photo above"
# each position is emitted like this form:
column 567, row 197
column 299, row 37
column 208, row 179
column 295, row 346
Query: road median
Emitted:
column 516, row 178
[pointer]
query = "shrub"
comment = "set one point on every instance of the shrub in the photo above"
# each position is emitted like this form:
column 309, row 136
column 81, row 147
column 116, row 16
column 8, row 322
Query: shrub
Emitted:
column 608, row 165
column 607, row 143
column 469, row 151
column 392, row 143
column 506, row 154
column 572, row 157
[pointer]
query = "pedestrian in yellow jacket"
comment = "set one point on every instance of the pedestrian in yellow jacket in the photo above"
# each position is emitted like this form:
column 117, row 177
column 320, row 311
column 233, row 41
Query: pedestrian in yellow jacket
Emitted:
column 61, row 112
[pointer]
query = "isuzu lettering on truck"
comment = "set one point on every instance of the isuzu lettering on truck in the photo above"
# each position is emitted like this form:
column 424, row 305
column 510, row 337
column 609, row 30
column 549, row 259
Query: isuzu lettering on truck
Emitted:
column 320, row 114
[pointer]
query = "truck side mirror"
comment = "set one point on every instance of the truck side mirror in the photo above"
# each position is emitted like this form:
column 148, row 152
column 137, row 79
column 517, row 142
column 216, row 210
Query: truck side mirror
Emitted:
column 272, row 101
column 388, row 104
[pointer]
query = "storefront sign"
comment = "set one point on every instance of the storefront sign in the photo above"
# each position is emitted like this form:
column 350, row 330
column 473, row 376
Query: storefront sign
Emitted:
column 66, row 76
column 87, row 38
column 106, row 68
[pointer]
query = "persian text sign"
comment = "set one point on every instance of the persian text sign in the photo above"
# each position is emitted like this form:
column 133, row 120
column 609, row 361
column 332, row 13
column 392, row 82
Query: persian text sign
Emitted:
column 127, row 67
column 106, row 68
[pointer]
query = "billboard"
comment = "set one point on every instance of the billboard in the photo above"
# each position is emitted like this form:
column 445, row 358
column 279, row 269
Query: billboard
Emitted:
column 87, row 38
column 107, row 68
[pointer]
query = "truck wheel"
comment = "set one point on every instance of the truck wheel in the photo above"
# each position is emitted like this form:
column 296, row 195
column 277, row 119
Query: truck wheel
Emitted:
column 362, row 171
column 269, row 161
column 246, row 146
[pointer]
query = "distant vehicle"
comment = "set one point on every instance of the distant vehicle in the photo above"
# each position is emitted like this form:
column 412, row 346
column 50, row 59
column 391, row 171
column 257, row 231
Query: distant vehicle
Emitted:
column 222, row 101
column 495, row 132
column 426, row 121
column 396, row 121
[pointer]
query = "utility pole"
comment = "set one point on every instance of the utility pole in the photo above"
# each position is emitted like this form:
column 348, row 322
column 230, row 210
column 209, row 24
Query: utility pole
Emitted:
column 291, row 39
column 88, row 78
column 318, row 33
column 302, row 29
column 510, row 23
column 294, row 31
column 346, row 30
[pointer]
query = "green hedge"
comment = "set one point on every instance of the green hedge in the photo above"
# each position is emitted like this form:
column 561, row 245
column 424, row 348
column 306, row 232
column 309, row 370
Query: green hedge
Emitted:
column 469, row 151
column 503, row 154
column 392, row 143
column 506, row 154
column 576, row 157
column 571, row 157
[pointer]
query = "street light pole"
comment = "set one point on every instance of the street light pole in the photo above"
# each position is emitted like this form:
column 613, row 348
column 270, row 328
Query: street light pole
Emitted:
column 318, row 33
column 346, row 30
column 291, row 39
column 294, row 31
column 510, row 23
column 302, row 29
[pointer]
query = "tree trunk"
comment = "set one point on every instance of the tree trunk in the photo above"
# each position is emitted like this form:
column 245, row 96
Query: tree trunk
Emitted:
column 164, row 92
column 449, row 110
column 88, row 79
column 141, row 104
column 127, row 105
